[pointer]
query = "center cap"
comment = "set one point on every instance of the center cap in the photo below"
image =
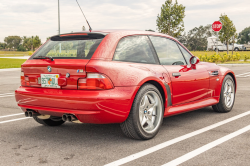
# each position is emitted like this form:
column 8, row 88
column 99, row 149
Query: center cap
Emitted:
column 145, row 111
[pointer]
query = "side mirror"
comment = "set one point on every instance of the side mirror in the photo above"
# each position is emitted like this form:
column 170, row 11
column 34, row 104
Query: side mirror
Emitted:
column 194, row 60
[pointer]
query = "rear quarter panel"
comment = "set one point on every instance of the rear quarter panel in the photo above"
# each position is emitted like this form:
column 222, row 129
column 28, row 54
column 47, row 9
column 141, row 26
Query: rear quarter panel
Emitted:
column 123, row 74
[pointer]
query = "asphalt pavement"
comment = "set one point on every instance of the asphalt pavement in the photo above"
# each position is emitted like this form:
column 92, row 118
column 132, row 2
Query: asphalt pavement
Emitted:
column 201, row 137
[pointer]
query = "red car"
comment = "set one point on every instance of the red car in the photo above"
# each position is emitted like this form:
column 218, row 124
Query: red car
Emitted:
column 135, row 78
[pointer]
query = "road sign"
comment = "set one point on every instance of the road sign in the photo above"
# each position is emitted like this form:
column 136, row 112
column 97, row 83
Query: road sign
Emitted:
column 217, row 26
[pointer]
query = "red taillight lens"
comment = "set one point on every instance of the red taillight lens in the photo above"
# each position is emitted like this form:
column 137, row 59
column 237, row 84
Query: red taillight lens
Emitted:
column 95, row 81
column 24, row 80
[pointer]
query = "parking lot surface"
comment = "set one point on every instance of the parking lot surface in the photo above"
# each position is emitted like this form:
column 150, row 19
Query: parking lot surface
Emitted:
column 201, row 137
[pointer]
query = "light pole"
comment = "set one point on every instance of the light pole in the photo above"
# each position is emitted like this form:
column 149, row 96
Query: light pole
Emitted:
column 58, row 18
column 60, row 46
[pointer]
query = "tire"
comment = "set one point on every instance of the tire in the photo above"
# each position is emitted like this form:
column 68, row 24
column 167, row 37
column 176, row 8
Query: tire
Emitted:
column 227, row 96
column 236, row 49
column 53, row 121
column 216, row 49
column 146, row 114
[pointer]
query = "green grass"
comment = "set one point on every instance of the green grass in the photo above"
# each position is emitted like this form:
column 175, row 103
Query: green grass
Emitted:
column 242, row 53
column 11, row 63
column 14, row 53
column 237, row 62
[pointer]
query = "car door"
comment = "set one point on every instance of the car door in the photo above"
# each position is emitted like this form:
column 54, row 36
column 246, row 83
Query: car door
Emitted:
column 188, row 84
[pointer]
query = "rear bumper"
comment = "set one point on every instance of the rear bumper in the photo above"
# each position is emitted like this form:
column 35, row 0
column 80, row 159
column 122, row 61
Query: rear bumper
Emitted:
column 99, row 107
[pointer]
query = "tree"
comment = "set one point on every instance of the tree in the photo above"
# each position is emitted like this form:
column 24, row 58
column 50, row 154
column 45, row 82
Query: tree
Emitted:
column 244, row 36
column 228, row 30
column 196, row 39
column 31, row 42
column 3, row 45
column 21, row 48
column 233, row 40
column 36, row 42
column 170, row 21
column 13, row 41
column 27, row 43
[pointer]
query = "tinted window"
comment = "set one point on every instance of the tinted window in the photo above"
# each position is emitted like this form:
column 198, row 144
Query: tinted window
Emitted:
column 167, row 51
column 186, row 54
column 69, row 49
column 134, row 49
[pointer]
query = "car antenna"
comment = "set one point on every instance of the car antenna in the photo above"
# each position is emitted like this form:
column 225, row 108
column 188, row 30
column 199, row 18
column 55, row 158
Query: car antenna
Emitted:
column 90, row 29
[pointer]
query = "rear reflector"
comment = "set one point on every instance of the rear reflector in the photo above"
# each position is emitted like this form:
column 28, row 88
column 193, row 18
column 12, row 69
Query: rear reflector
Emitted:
column 95, row 81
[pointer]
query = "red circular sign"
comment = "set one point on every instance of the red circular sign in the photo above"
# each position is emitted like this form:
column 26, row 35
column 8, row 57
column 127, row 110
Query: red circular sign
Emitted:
column 216, row 26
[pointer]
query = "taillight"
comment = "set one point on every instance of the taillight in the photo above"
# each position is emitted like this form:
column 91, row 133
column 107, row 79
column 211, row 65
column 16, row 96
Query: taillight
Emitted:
column 95, row 81
column 24, row 80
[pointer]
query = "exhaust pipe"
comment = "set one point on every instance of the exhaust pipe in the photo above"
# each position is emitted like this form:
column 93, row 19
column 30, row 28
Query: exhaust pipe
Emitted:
column 70, row 118
column 26, row 113
column 31, row 113
column 65, row 117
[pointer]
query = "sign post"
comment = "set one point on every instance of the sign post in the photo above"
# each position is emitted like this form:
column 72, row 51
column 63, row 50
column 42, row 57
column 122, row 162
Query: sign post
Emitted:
column 217, row 26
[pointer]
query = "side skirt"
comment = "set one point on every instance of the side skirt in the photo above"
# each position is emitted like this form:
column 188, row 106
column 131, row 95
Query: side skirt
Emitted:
column 173, row 110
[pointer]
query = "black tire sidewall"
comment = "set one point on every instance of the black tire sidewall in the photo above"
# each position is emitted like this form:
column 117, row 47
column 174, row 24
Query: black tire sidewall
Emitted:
column 222, row 99
column 136, row 105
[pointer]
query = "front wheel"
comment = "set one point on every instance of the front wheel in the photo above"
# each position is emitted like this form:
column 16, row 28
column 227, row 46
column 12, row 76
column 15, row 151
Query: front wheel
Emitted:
column 236, row 49
column 146, row 114
column 227, row 96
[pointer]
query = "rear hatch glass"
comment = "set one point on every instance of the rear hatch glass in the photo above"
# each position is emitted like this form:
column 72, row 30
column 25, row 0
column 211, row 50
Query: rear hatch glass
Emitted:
column 70, row 47
column 61, row 61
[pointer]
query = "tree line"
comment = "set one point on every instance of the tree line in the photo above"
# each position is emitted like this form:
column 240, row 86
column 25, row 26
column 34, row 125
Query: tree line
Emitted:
column 17, row 43
column 170, row 21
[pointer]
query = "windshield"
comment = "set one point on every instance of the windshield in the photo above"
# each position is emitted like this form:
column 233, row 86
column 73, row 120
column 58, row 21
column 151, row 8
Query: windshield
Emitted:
column 68, row 49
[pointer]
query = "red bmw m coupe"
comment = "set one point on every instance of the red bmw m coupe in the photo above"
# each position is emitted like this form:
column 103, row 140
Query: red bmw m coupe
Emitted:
column 135, row 78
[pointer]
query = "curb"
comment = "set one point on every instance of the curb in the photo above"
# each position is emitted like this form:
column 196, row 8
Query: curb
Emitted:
column 11, row 69
column 236, row 64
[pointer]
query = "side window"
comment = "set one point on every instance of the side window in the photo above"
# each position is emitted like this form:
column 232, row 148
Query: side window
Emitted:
column 167, row 51
column 134, row 49
column 186, row 54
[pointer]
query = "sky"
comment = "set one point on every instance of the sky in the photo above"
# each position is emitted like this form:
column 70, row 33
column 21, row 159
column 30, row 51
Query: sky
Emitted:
column 40, row 17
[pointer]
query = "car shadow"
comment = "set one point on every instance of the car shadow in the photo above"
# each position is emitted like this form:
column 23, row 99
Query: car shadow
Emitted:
column 104, row 132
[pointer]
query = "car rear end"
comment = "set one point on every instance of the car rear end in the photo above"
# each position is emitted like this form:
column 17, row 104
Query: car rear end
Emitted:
column 54, row 82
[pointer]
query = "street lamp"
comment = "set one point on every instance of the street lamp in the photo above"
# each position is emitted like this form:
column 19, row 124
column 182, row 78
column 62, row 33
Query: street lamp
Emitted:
column 58, row 18
column 249, row 40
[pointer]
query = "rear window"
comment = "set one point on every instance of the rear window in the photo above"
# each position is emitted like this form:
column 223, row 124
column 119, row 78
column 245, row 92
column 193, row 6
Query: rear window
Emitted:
column 134, row 49
column 69, row 47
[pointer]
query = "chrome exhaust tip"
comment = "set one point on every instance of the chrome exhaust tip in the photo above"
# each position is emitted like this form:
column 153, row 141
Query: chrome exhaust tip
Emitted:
column 26, row 114
column 30, row 113
column 65, row 117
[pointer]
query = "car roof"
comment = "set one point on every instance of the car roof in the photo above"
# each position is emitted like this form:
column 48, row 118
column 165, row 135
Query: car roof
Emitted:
column 126, row 32
column 107, row 47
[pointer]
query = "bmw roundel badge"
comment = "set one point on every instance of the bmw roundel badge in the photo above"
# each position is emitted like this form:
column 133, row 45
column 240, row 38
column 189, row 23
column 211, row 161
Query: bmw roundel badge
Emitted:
column 49, row 69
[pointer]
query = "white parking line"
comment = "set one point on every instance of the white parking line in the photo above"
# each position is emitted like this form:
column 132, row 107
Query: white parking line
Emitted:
column 243, row 75
column 206, row 147
column 7, row 94
column 13, row 120
column 173, row 141
column 5, row 116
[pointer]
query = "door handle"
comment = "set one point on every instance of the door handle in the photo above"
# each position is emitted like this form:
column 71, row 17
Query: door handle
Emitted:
column 176, row 74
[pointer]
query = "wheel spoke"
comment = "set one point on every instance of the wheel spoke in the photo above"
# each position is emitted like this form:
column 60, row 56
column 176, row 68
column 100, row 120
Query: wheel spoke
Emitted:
column 144, row 120
column 151, row 102
column 226, row 100
column 150, row 125
column 225, row 90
